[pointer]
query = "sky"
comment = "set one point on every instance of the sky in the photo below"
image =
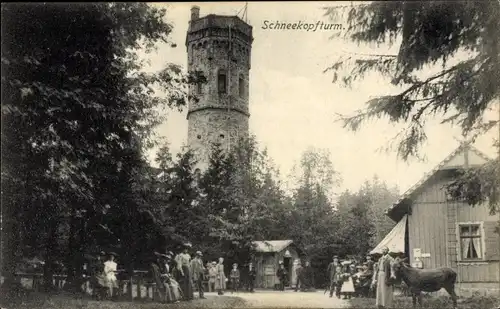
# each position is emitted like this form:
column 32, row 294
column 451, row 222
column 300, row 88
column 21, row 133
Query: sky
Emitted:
column 294, row 104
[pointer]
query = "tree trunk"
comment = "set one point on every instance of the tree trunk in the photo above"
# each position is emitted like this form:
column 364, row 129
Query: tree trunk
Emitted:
column 70, row 258
column 10, row 247
column 11, row 240
column 50, row 256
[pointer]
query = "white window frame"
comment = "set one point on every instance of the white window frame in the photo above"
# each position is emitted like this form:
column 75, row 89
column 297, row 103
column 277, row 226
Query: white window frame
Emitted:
column 459, row 241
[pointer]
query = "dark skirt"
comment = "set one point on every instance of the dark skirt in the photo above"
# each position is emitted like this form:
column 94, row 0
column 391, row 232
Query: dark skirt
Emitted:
column 186, row 284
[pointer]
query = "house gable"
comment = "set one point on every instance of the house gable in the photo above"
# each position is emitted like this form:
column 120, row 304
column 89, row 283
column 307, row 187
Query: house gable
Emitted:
column 464, row 156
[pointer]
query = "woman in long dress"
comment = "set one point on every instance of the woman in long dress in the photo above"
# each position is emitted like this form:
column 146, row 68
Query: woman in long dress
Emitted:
column 220, row 280
column 184, row 268
column 173, row 285
column 385, row 290
column 110, row 268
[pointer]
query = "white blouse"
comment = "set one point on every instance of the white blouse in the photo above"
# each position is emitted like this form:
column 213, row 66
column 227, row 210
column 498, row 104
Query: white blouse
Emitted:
column 109, row 269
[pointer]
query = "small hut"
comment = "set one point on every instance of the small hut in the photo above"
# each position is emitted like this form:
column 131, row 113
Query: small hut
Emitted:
column 268, row 254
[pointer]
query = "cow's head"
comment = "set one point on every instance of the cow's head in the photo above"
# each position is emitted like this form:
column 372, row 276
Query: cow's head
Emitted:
column 397, row 265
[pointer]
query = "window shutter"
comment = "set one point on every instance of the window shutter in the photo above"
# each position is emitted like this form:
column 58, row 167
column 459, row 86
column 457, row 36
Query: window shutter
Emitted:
column 492, row 241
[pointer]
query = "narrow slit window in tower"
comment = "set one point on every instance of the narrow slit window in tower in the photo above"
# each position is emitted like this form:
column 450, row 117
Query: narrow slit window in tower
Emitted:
column 222, row 82
column 241, row 86
column 199, row 87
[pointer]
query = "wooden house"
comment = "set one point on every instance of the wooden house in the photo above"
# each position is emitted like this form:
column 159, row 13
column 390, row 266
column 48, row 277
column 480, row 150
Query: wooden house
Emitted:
column 268, row 255
column 434, row 230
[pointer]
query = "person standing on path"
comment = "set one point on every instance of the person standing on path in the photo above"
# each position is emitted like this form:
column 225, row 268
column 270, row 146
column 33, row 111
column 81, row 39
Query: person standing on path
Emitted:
column 282, row 274
column 333, row 275
column 110, row 268
column 184, row 268
column 235, row 278
column 212, row 276
column 385, row 290
column 198, row 271
column 251, row 277
column 347, row 289
column 220, row 280
column 298, row 275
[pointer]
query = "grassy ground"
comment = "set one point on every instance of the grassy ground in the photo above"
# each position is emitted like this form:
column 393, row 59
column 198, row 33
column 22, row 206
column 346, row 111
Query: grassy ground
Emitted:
column 474, row 302
column 63, row 301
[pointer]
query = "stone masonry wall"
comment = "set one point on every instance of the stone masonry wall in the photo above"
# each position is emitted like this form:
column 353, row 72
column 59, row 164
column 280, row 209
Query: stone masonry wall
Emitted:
column 217, row 117
column 210, row 126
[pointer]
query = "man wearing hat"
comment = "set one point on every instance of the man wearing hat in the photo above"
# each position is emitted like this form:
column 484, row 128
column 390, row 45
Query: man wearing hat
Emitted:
column 333, row 274
column 198, row 271
column 282, row 276
column 251, row 277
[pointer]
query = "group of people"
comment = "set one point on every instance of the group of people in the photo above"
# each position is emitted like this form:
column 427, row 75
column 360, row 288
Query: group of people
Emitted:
column 369, row 279
column 103, row 275
column 348, row 278
column 175, row 276
column 178, row 276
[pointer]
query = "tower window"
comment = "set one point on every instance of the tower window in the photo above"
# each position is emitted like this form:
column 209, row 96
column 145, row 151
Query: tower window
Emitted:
column 199, row 136
column 222, row 82
column 199, row 87
column 241, row 86
column 221, row 136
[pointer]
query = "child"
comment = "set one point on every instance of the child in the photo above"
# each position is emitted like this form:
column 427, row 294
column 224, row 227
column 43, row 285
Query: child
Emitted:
column 235, row 278
column 347, row 286
column 212, row 276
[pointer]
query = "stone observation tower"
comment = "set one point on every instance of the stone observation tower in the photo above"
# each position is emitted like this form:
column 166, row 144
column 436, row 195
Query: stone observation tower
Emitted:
column 219, row 47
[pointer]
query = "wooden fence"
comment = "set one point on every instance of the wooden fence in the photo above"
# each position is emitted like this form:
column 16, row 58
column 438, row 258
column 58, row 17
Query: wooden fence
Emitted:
column 136, row 287
column 139, row 286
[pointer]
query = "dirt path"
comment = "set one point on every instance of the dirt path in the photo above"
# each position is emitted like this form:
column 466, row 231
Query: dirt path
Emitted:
column 289, row 299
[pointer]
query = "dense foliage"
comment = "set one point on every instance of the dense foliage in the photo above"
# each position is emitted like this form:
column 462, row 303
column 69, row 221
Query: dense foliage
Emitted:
column 240, row 198
column 77, row 115
column 461, row 36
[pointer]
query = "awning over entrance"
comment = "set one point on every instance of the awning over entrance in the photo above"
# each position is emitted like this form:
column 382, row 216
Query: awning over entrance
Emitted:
column 395, row 240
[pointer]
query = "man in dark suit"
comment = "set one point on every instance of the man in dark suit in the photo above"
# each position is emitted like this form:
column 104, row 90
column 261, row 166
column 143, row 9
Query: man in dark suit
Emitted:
column 332, row 275
column 282, row 274
column 251, row 274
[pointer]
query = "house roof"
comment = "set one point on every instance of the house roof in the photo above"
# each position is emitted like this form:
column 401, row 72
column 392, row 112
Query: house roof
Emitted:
column 465, row 154
column 271, row 245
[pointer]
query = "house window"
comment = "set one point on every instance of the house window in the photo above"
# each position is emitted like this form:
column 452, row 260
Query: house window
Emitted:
column 471, row 242
column 222, row 82
column 241, row 86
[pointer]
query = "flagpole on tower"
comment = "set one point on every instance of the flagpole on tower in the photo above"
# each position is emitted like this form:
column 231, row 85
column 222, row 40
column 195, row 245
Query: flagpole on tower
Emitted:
column 245, row 13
